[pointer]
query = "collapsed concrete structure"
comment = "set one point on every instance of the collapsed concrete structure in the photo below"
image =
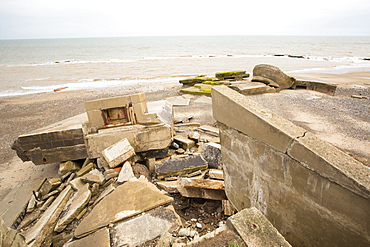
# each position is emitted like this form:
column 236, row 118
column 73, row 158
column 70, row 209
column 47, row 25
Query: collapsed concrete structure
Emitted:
column 106, row 122
column 312, row 192
column 273, row 171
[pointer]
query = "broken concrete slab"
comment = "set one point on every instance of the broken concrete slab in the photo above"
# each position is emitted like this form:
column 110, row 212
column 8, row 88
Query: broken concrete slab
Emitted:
column 118, row 153
column 184, row 142
column 209, row 130
column 85, row 169
column 69, row 166
column 168, row 186
column 99, row 238
column 216, row 174
column 94, row 176
column 126, row 173
column 142, row 138
column 179, row 166
column 13, row 204
column 272, row 76
column 105, row 192
column 204, row 100
column 45, row 225
column 178, row 101
column 110, row 173
column 77, row 183
column 251, row 88
column 58, row 142
column 255, row 229
column 145, row 227
column 201, row 188
column 128, row 199
column 9, row 237
column 74, row 206
column 212, row 154
column 232, row 75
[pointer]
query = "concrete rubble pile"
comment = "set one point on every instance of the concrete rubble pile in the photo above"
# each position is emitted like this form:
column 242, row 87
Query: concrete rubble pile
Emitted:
column 139, row 178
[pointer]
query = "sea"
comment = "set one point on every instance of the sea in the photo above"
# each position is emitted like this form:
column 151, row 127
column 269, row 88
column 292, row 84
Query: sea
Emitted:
column 42, row 65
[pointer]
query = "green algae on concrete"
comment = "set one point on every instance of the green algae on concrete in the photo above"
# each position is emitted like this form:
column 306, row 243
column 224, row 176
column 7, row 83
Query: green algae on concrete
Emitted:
column 198, row 79
column 236, row 75
column 194, row 90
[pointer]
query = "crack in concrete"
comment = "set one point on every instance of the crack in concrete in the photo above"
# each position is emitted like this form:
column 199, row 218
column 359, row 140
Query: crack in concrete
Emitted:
column 291, row 143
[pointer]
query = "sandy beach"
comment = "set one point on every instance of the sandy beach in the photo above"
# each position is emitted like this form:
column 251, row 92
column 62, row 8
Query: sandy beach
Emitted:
column 317, row 112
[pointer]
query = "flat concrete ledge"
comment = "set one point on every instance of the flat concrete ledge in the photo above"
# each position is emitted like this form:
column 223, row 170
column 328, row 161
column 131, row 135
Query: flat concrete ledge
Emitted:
column 256, row 121
column 330, row 162
column 255, row 229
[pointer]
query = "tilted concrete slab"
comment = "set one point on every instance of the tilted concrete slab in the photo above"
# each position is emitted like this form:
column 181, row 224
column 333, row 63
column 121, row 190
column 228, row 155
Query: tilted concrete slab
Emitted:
column 99, row 238
column 16, row 200
column 257, row 121
column 126, row 173
column 45, row 225
column 142, row 138
column 118, row 153
column 255, row 229
column 145, row 227
column 179, row 166
column 201, row 188
column 74, row 206
column 127, row 200
column 61, row 141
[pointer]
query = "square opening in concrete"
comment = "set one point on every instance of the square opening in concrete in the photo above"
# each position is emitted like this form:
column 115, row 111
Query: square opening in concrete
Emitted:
column 115, row 116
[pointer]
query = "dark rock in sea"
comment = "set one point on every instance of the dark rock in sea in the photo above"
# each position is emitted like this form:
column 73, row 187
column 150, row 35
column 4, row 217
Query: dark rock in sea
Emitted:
column 294, row 56
column 366, row 59
column 279, row 55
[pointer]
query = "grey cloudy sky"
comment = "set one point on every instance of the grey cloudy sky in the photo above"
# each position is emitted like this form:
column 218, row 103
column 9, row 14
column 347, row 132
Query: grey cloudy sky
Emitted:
column 21, row 19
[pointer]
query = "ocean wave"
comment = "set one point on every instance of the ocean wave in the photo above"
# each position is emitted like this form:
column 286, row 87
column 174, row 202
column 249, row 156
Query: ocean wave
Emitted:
column 87, row 84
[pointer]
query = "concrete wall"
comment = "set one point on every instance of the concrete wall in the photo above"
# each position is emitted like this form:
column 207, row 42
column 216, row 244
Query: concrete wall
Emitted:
column 313, row 193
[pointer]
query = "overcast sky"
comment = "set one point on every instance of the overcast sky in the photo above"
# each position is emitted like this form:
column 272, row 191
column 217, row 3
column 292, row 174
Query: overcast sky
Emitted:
column 22, row 19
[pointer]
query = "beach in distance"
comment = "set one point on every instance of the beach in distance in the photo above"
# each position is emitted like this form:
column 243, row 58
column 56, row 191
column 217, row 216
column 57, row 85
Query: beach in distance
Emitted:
column 92, row 68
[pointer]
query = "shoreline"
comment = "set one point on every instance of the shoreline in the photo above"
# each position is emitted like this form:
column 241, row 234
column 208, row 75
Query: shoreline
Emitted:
column 23, row 114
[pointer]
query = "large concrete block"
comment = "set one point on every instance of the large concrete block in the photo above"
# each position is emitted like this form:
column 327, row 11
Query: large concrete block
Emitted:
column 255, row 229
column 257, row 122
column 201, row 188
column 142, row 138
column 118, row 153
column 179, row 166
column 61, row 141
column 330, row 162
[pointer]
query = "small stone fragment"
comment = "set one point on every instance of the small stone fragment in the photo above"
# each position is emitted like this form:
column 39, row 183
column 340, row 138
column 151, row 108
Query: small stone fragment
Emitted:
column 94, row 176
column 110, row 173
column 184, row 142
column 85, row 170
column 126, row 173
column 69, row 166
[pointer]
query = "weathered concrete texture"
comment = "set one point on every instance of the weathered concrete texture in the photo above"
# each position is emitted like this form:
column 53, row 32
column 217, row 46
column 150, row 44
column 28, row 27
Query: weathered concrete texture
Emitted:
column 323, row 87
column 142, row 138
column 298, row 186
column 272, row 76
column 130, row 109
column 45, row 225
column 145, row 227
column 9, row 237
column 216, row 174
column 16, row 200
column 118, row 153
column 184, row 142
column 251, row 88
column 212, row 154
column 99, row 238
column 94, row 176
column 201, row 188
column 128, row 199
column 179, row 166
column 74, row 206
column 257, row 122
column 61, row 141
column 255, row 229
column 209, row 130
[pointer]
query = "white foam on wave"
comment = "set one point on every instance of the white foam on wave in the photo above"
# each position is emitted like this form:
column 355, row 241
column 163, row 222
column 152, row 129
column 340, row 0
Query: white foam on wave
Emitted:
column 87, row 84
